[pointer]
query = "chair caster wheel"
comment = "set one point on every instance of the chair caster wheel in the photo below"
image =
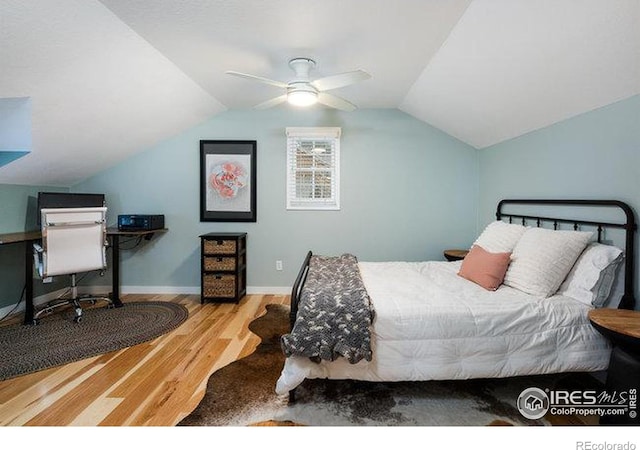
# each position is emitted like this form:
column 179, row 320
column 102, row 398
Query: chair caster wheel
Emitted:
column 35, row 321
column 77, row 319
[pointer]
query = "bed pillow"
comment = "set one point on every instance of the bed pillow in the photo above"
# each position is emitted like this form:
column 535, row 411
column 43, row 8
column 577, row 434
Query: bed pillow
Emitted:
column 606, row 285
column 542, row 258
column 500, row 237
column 484, row 268
column 617, row 291
column 591, row 278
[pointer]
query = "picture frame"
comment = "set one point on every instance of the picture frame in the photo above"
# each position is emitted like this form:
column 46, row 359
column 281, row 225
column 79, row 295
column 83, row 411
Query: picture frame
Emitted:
column 228, row 181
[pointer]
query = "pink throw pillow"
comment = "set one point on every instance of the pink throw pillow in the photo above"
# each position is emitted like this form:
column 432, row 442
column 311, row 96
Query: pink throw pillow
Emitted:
column 484, row 268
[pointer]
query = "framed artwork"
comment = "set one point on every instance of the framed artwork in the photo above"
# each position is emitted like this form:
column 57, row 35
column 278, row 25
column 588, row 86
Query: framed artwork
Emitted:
column 228, row 181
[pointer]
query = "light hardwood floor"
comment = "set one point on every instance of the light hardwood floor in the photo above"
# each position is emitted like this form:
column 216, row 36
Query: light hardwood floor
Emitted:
column 156, row 383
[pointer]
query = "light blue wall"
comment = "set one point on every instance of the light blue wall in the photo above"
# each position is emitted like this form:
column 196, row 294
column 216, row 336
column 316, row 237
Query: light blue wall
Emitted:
column 407, row 192
column 594, row 155
column 17, row 213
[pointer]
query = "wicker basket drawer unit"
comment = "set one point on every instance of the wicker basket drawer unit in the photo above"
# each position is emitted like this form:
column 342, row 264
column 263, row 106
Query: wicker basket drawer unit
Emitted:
column 223, row 267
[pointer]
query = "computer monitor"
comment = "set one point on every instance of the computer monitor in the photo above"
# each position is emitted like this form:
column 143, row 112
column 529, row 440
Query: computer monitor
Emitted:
column 68, row 200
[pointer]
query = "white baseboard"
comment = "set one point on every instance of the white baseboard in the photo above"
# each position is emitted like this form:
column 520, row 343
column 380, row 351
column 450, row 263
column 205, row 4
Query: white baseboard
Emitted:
column 266, row 290
column 157, row 289
column 37, row 301
column 105, row 289
column 269, row 290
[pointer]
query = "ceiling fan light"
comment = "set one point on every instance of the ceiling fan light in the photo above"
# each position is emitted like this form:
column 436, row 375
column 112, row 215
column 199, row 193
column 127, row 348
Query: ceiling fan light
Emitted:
column 302, row 98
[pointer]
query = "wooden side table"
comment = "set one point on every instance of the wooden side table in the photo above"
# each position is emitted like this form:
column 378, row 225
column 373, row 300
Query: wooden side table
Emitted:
column 455, row 254
column 622, row 328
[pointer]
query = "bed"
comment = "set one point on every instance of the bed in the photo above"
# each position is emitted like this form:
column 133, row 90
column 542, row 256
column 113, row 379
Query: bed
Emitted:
column 419, row 321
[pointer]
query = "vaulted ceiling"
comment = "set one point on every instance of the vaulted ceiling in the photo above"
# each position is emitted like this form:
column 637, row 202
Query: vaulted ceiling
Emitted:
column 111, row 78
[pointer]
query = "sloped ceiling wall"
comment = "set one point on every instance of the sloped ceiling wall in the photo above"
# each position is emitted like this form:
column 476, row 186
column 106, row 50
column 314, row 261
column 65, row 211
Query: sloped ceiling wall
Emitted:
column 108, row 79
column 99, row 91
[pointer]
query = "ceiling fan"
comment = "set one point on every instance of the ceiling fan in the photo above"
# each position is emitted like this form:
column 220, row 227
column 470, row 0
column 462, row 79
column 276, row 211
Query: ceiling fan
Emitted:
column 302, row 91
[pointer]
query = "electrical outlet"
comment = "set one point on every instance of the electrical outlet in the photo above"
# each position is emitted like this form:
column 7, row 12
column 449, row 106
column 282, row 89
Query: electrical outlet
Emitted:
column 278, row 265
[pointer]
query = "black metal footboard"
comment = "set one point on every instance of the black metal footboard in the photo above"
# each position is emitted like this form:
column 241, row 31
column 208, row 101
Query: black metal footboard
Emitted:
column 295, row 297
column 297, row 289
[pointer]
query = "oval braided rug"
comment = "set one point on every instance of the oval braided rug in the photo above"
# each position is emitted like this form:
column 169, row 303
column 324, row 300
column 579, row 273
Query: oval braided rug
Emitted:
column 58, row 340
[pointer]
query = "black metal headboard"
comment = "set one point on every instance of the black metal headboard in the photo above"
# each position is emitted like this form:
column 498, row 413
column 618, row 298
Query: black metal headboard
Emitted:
column 628, row 299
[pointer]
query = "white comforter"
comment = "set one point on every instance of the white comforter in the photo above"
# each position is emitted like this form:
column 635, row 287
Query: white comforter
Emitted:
column 431, row 324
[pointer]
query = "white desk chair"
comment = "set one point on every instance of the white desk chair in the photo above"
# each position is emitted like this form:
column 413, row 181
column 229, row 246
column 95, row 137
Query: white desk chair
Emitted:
column 74, row 240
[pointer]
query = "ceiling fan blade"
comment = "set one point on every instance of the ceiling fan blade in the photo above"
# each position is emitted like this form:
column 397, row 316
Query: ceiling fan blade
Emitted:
column 340, row 80
column 279, row 84
column 272, row 102
column 335, row 102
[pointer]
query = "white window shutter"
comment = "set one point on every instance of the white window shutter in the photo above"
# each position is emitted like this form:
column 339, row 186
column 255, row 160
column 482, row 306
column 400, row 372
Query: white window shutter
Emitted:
column 313, row 168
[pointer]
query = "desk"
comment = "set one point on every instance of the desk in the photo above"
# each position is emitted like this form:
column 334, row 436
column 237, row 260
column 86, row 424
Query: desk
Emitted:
column 28, row 238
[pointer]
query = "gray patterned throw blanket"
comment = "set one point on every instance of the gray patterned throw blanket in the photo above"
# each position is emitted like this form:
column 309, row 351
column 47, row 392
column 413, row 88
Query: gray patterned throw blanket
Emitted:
column 334, row 313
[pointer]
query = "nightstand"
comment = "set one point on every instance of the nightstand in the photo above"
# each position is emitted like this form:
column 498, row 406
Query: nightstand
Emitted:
column 622, row 328
column 454, row 254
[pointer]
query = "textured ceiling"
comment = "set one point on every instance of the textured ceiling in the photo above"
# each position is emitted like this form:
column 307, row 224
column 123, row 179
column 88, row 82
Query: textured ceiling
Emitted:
column 111, row 78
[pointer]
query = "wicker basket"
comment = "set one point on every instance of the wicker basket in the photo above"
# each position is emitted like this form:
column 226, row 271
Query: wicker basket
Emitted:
column 219, row 285
column 216, row 263
column 213, row 247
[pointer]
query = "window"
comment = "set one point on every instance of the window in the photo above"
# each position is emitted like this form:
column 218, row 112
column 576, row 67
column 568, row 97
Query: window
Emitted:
column 313, row 168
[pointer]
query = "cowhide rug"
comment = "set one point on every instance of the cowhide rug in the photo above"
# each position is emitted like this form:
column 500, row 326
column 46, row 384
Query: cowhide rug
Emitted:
column 243, row 393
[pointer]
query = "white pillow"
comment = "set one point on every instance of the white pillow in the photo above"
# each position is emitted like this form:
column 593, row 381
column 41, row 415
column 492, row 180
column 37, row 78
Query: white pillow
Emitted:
column 591, row 277
column 617, row 291
column 542, row 258
column 500, row 237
